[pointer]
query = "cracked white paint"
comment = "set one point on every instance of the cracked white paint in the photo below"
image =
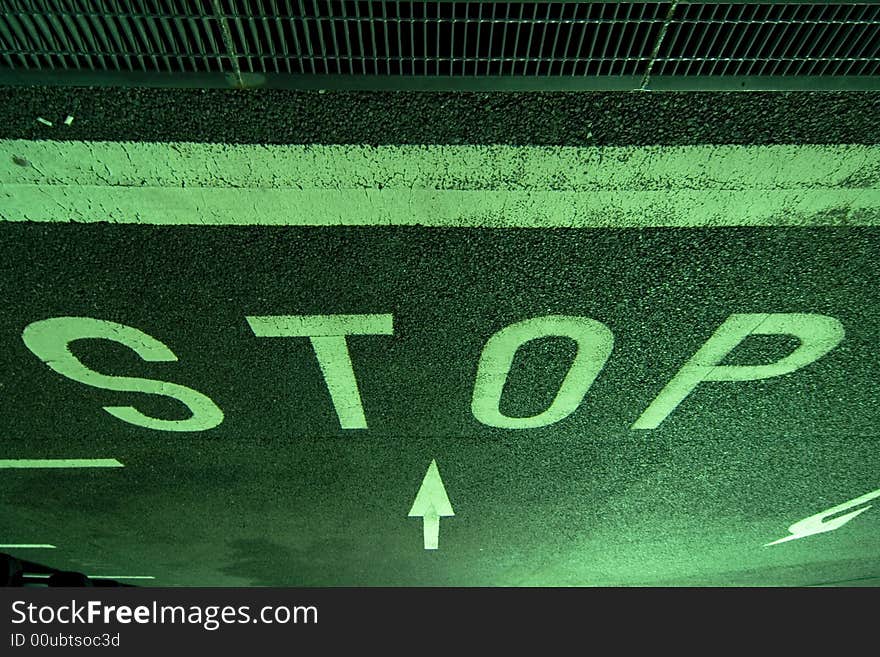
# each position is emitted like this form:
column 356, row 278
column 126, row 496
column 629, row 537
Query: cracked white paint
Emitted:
column 488, row 186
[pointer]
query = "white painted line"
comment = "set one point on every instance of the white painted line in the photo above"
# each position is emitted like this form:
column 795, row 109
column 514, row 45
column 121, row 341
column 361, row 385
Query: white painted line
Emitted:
column 45, row 576
column 60, row 463
column 492, row 186
column 27, row 546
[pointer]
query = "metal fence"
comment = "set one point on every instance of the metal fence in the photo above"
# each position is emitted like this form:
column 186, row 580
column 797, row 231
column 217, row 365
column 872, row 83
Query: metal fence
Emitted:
column 455, row 44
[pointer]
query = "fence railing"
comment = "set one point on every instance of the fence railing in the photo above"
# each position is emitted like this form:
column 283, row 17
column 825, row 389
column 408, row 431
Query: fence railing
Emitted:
column 442, row 44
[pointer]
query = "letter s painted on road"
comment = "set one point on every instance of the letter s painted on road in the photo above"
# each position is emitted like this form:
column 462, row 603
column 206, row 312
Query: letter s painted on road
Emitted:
column 49, row 340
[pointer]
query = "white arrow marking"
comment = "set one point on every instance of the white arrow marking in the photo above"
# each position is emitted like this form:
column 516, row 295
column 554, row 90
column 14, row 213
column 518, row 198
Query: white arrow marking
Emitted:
column 818, row 525
column 431, row 504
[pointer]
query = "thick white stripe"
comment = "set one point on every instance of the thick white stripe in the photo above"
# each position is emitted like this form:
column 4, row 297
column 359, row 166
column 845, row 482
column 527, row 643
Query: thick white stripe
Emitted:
column 442, row 186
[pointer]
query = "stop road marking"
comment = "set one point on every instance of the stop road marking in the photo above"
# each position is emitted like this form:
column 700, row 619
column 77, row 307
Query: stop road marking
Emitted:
column 49, row 340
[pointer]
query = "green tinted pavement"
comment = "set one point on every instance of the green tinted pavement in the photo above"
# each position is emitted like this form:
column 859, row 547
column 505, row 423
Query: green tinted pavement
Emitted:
column 269, row 365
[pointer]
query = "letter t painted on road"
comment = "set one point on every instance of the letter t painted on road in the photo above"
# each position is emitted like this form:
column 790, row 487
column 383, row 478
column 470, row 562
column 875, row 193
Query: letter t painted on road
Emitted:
column 327, row 334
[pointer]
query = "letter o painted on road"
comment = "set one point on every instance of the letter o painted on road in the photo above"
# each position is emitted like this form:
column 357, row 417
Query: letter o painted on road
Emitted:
column 594, row 344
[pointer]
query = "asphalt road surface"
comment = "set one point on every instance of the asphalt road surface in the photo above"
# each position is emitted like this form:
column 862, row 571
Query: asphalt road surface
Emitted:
column 640, row 372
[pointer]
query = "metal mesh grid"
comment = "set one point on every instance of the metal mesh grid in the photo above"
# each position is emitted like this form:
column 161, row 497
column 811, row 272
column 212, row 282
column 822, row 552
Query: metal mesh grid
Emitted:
column 772, row 39
column 457, row 39
column 461, row 38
